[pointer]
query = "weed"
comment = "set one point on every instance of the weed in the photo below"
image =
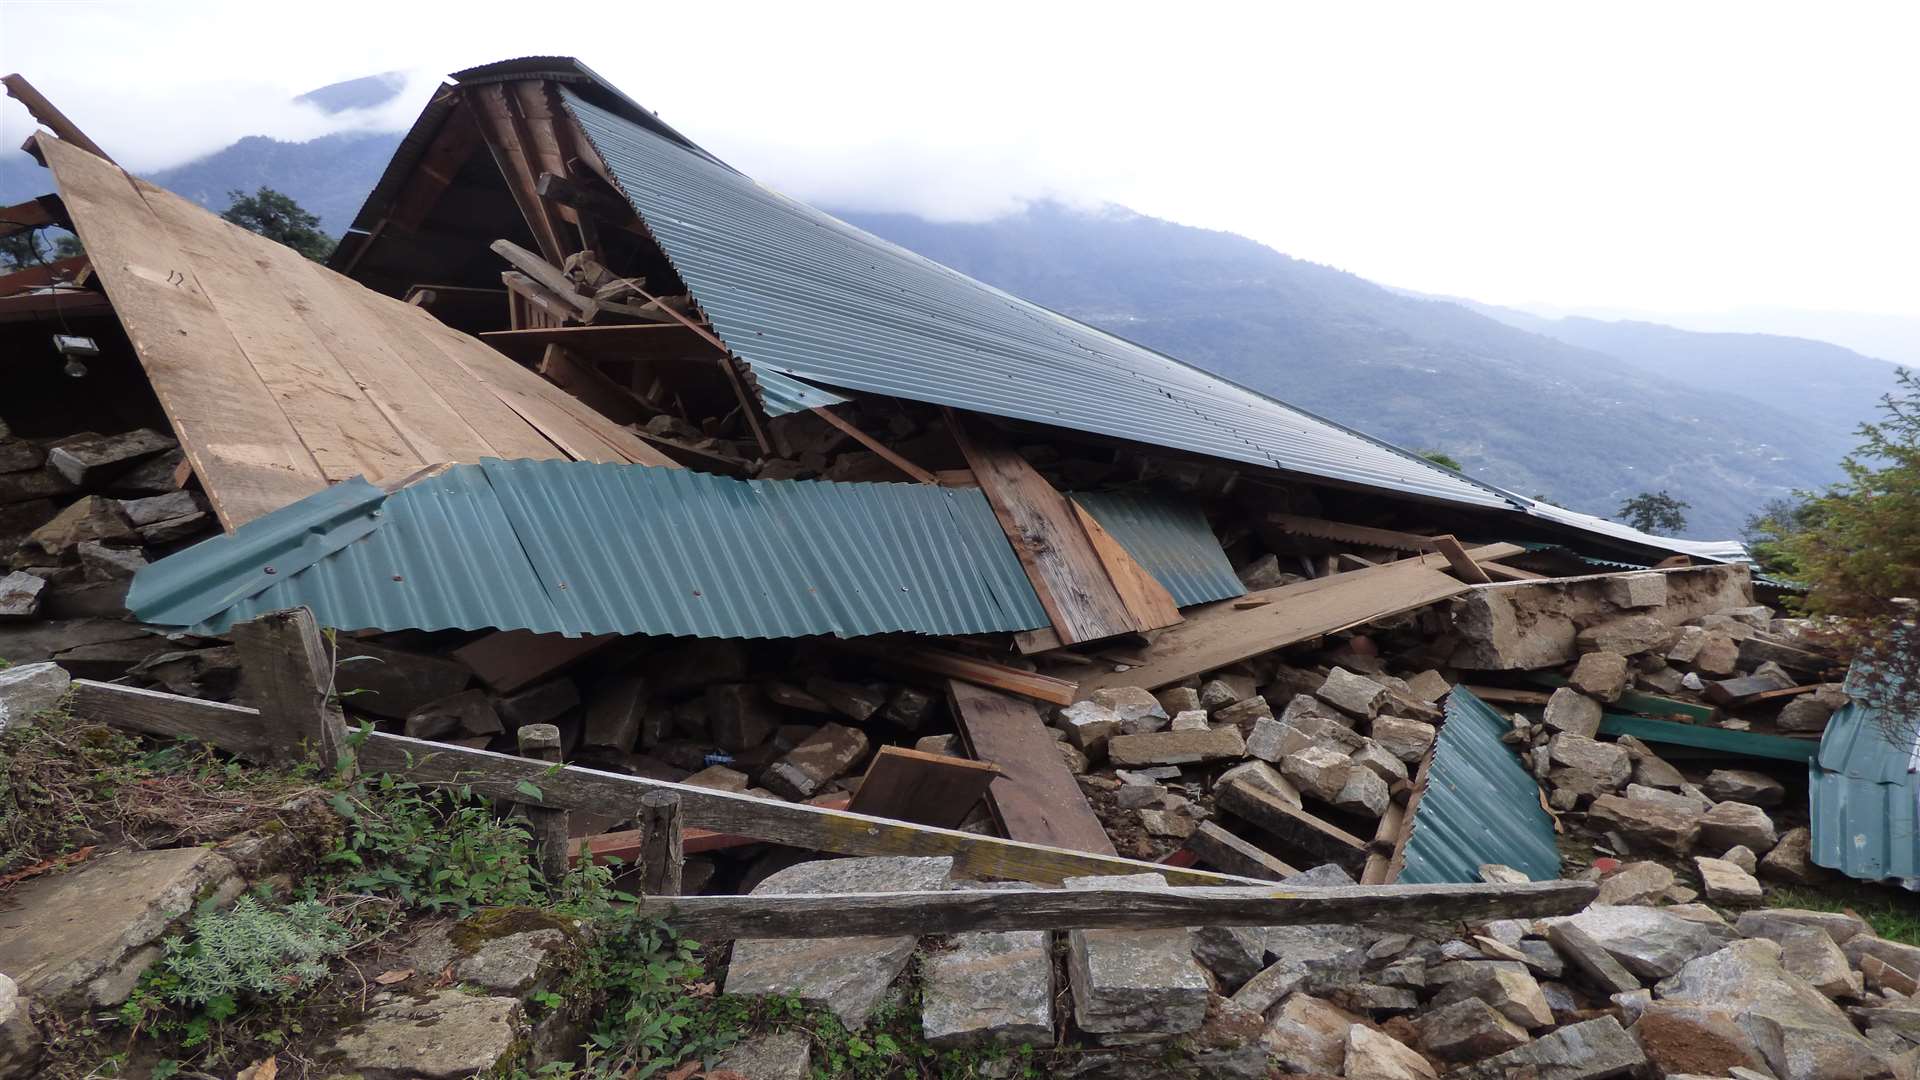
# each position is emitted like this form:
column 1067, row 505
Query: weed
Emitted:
column 431, row 849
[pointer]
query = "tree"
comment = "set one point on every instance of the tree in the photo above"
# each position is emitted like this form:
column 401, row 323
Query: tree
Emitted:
column 1859, row 557
column 1442, row 459
column 278, row 217
column 1767, row 531
column 1655, row 512
column 24, row 248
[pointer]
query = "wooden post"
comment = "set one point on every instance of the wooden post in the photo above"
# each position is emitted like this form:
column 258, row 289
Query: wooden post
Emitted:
column 542, row 743
column 289, row 670
column 661, row 855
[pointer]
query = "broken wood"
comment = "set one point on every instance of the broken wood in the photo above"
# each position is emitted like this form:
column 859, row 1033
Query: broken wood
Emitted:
column 886, row 452
column 1503, row 572
column 661, row 858
column 626, row 845
column 289, row 671
column 1462, row 563
column 548, row 276
column 805, row 915
column 1317, row 837
column 1508, row 696
column 927, row 789
column 51, row 118
column 1035, row 798
column 572, row 787
column 564, row 191
column 956, row 665
column 532, row 292
column 1230, row 854
column 1386, row 837
column 587, row 383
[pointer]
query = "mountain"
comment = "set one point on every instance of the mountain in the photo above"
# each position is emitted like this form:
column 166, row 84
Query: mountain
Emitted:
column 1583, row 412
column 1520, row 409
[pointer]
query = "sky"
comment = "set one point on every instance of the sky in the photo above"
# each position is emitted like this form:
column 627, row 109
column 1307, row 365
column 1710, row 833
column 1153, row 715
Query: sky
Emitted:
column 1656, row 157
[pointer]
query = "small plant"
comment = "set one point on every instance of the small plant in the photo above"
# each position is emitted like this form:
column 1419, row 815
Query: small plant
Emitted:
column 252, row 952
column 432, row 849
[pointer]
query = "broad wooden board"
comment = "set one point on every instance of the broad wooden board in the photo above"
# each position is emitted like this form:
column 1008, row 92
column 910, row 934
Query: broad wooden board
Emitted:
column 929, row 789
column 1035, row 799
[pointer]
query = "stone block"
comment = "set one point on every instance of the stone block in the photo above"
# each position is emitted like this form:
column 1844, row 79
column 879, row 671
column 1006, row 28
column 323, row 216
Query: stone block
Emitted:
column 89, row 460
column 1307, row 1034
column 1807, row 952
column 1608, row 761
column 826, row 755
column 1635, row 883
column 1179, row 699
column 1134, row 982
column 1191, row 720
column 1744, row 785
column 26, row 689
column 1244, row 714
column 849, row 976
column 1725, row 882
column 1648, row 822
column 20, row 1047
column 1589, row 1050
column 1637, row 590
column 1791, row 859
column 1216, row 694
column 374, row 678
column 1088, row 725
column 1731, row 823
column 852, row 700
column 1265, row 740
column 1569, row 710
column 1234, row 954
column 1318, row 770
column 1263, row 777
column 1468, row 1030
column 1355, row 695
column 1408, row 740
column 1600, row 675
column 445, row 1034
column 1694, row 1039
column 772, row 1055
column 540, row 704
column 1628, row 635
column 990, row 989
column 908, row 707
column 1590, row 959
column 1718, row 655
column 739, row 716
column 1429, row 686
column 1377, row 758
column 1365, row 792
column 1139, row 712
column 20, row 595
column 465, row 714
column 1653, row 943
column 1375, row 1055
column 1177, row 747
column 1806, row 713
column 94, row 517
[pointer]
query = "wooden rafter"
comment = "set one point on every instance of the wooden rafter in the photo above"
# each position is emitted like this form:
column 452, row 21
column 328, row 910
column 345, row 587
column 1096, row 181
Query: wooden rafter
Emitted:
column 886, row 452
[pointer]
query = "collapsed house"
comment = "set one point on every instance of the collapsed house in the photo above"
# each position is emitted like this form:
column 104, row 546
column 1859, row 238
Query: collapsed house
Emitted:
column 587, row 438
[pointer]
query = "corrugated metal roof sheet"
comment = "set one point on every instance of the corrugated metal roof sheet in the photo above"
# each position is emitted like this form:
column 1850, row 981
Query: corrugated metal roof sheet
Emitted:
column 1707, row 737
column 582, row 548
column 796, row 290
column 1171, row 540
column 782, row 394
column 1864, row 797
column 1481, row 804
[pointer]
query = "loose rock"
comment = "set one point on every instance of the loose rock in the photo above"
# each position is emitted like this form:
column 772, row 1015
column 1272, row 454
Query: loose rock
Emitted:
column 1743, row 785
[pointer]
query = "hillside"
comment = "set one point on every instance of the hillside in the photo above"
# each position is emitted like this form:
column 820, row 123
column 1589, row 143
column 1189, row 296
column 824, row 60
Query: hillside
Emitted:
column 1519, row 409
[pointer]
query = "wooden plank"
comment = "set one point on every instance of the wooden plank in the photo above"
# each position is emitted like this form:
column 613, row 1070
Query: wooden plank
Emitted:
column 236, row 729
column 31, row 214
column 1503, row 572
column 289, row 671
column 45, row 113
column 1385, row 840
column 507, row 660
column 329, row 409
column 1462, row 563
column 886, row 452
column 1230, row 854
column 1341, row 532
column 1036, row 798
column 55, row 303
column 1784, row 692
column 1226, row 632
column 1507, row 696
column 572, row 787
column 808, row 915
column 1148, row 601
column 57, row 272
column 662, row 858
column 245, row 451
column 501, row 127
column 549, row 276
column 1397, row 861
column 929, row 789
column 1045, row 532
column 613, row 338
column 532, row 292
column 435, row 171
column 1310, row 833
column 961, row 666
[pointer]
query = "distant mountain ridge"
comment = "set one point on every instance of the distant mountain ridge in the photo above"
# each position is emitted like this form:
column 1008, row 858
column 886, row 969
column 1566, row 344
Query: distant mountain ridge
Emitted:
column 1584, row 412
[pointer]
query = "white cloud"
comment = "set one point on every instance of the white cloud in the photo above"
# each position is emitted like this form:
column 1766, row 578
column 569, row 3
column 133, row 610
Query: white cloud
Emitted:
column 1646, row 155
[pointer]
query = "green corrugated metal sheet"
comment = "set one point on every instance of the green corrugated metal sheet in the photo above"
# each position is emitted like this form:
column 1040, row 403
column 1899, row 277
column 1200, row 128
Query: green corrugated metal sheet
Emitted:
column 1481, row 804
column 583, row 548
column 1864, row 789
column 1707, row 737
column 1171, row 540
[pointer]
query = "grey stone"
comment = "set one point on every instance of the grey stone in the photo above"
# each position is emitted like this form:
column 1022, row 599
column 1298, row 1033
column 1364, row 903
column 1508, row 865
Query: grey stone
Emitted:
column 1541, row 958
column 1686, row 801
column 1696, row 1038
column 1742, row 975
column 535, row 951
column 1514, row 994
column 1646, row 821
column 1718, row 655
column 1262, row 573
column 1810, row 954
column 27, row 689
column 847, row 975
column 1743, row 857
column 88, row 459
column 93, row 517
column 1650, row 942
column 1725, row 882
column 433, row 1035
column 1637, row 590
column 1590, row 1050
column 1791, row 859
column 1628, row 635
column 159, row 508
column 540, row 704
column 1177, row 747
column 1744, row 785
column 1429, row 686
column 739, row 716
column 1309, row 1035
column 1635, row 883
column 1302, row 707
column 1088, row 725
column 1179, row 699
column 826, row 755
column 1190, row 720
column 1300, row 952
column 1363, row 793
column 616, row 712
column 1375, row 1055
column 20, row 1047
column 1234, row 954
column 1139, row 711
column 20, row 595
column 392, row 682
column 101, row 563
column 1355, row 695
column 1600, row 675
column 1802, row 1034
column 1606, row 761
column 1468, row 1030
column 853, row 700
column 1652, row 770
column 990, row 989
column 85, row 937
column 1569, row 710
column 1319, row 770
column 1731, row 823
column 1408, row 740
column 1245, row 714
column 1798, row 1046
column 1265, row 740
column 1381, row 761
column 1810, row 712
column 772, row 1055
column 467, row 713
column 1903, row 957
column 1324, row 875
column 1132, row 982
column 1776, row 923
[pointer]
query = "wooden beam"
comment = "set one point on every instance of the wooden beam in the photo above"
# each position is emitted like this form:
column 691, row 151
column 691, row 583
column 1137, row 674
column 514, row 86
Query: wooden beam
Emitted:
column 1508, row 696
column 927, row 789
column 1341, row 532
column 1749, row 689
column 1036, row 798
column 54, row 303
column 51, row 118
column 886, row 452
column 1230, row 854
column 572, row 787
column 807, row 915
column 1228, row 631
column 1385, row 838
column 568, row 193
column 532, row 292
column 500, row 126
column 967, row 668
column 452, row 147
column 1067, row 574
column 57, row 272
column 1503, row 572
column 1310, row 833
column 662, row 860
column 32, row 214
column 1462, row 563
column 549, row 276
column 1148, row 601
column 628, row 844
column 623, row 337
column 289, row 671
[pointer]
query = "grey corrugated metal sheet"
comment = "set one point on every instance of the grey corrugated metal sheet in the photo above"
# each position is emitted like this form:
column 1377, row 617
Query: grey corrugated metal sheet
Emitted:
column 1171, row 540
column 592, row 549
column 1864, row 797
column 793, row 289
column 781, row 394
column 1481, row 804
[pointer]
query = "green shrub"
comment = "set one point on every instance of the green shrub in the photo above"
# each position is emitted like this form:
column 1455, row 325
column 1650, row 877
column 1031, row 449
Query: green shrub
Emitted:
column 251, row 952
column 432, row 849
